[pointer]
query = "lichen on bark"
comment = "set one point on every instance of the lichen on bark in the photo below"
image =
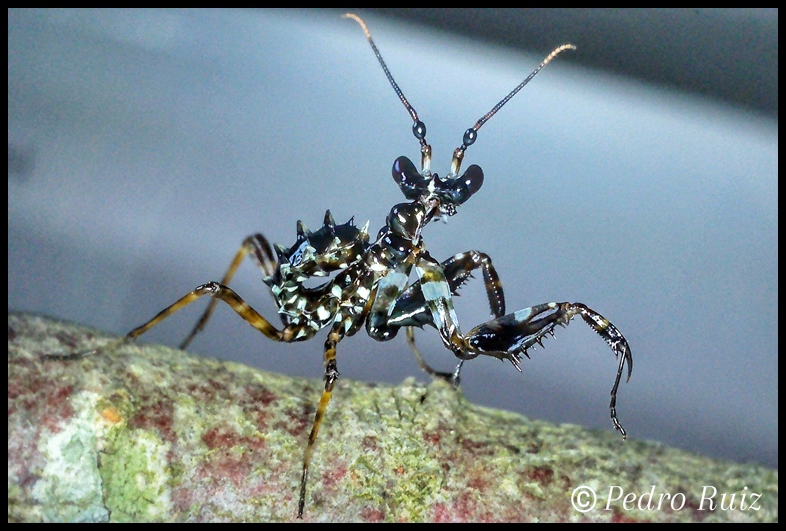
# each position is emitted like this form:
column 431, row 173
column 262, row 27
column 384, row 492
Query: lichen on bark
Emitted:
column 150, row 433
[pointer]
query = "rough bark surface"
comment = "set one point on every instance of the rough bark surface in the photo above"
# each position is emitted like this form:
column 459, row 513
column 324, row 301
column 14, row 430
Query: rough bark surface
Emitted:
column 150, row 433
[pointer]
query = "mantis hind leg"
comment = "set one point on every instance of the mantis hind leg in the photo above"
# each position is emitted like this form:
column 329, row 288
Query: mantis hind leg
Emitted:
column 218, row 292
column 259, row 249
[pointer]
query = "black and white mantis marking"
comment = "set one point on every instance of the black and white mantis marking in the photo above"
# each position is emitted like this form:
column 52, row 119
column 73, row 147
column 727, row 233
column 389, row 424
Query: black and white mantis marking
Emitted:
column 371, row 283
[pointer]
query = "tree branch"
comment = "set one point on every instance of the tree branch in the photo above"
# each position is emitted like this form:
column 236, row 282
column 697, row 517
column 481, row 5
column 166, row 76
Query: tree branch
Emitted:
column 149, row 433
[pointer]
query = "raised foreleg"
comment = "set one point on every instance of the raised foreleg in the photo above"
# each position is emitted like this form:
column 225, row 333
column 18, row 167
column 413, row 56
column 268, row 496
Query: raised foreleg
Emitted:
column 412, row 310
column 509, row 336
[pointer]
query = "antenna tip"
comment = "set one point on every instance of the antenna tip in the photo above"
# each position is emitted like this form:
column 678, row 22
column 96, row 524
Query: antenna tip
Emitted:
column 359, row 21
column 559, row 49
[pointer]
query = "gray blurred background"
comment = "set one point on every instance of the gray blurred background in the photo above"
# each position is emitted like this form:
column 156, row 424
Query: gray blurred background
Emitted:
column 637, row 175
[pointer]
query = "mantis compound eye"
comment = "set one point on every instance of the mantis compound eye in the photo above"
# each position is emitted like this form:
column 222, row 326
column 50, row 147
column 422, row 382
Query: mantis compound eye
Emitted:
column 470, row 182
column 408, row 178
column 455, row 192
